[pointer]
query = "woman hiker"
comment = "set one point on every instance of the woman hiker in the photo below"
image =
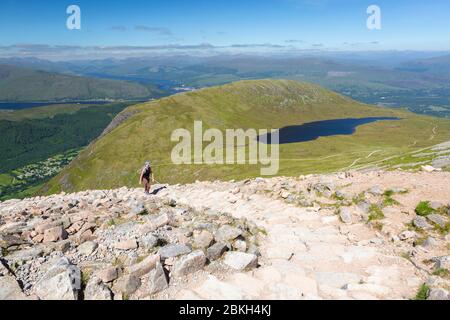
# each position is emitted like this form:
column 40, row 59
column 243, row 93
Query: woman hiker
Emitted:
column 145, row 177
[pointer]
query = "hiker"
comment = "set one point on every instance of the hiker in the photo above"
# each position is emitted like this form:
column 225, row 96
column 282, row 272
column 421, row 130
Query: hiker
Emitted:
column 145, row 177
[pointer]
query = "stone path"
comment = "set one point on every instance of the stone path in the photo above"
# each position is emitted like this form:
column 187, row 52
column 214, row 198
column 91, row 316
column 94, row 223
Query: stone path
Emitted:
column 307, row 254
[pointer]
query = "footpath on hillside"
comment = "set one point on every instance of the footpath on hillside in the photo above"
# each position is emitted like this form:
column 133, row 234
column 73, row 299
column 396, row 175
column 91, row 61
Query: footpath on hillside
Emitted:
column 353, row 235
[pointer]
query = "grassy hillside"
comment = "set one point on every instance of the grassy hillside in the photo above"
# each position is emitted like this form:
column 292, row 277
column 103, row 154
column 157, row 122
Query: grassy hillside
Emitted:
column 30, row 137
column 114, row 159
column 19, row 84
column 41, row 112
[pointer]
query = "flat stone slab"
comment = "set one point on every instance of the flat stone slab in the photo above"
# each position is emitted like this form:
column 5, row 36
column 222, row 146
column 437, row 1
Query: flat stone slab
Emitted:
column 174, row 250
column 241, row 260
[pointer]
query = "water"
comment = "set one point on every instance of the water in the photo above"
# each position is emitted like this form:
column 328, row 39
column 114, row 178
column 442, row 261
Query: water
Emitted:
column 313, row 130
column 28, row 105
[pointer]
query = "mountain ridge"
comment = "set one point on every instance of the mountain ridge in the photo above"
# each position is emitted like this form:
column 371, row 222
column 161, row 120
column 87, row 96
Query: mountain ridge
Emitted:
column 28, row 85
column 114, row 159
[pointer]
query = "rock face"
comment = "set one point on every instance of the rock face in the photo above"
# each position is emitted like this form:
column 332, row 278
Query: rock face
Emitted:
column 61, row 282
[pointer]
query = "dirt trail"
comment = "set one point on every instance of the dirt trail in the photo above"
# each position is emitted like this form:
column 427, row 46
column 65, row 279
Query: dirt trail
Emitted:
column 308, row 252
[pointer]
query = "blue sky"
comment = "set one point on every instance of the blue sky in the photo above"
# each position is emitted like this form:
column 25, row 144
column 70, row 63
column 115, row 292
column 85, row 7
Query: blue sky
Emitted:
column 230, row 24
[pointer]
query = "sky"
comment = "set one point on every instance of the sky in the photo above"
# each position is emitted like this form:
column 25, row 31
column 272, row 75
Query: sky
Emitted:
column 38, row 27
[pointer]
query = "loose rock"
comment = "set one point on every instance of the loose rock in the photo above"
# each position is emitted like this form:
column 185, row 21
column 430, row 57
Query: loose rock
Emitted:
column 240, row 260
column 191, row 263
column 158, row 280
column 61, row 282
column 216, row 251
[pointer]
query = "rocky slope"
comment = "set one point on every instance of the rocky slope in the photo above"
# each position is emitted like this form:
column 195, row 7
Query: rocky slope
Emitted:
column 353, row 235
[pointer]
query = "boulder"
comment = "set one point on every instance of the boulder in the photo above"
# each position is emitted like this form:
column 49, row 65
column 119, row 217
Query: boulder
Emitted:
column 376, row 191
column 8, row 240
column 216, row 251
column 61, row 282
column 421, row 223
column 157, row 280
column 87, row 248
column 145, row 266
column 442, row 262
column 155, row 223
column 4, row 268
column 227, row 233
column 10, row 289
column 55, row 234
column 240, row 245
column 438, row 294
column 241, row 260
column 174, row 250
column 430, row 242
column 42, row 227
column 128, row 284
column 148, row 241
column 108, row 275
column 191, row 263
column 96, row 290
column 126, row 245
column 138, row 209
column 436, row 205
column 25, row 255
column 437, row 219
column 345, row 215
column 405, row 235
column 62, row 246
column 428, row 168
column 341, row 195
column 203, row 240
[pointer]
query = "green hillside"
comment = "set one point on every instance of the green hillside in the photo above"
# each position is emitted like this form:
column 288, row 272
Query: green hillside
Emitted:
column 31, row 137
column 114, row 159
column 41, row 112
column 19, row 84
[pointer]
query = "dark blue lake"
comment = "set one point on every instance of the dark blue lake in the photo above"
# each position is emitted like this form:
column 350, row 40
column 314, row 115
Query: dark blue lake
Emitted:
column 313, row 130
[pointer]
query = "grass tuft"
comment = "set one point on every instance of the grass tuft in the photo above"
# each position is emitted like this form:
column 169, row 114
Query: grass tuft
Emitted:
column 375, row 213
column 441, row 272
column 422, row 294
column 424, row 209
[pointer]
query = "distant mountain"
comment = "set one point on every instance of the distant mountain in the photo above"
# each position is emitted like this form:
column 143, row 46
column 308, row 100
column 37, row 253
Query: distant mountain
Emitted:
column 436, row 65
column 143, row 132
column 22, row 84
